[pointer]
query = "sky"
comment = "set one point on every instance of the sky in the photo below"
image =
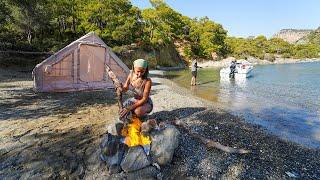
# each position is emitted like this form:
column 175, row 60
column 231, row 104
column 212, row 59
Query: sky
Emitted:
column 243, row 18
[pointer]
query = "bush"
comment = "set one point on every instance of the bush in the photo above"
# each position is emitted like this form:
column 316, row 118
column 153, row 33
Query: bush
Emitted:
column 269, row 57
column 188, row 52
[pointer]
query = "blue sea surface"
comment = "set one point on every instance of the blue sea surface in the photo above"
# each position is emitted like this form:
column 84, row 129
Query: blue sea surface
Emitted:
column 284, row 99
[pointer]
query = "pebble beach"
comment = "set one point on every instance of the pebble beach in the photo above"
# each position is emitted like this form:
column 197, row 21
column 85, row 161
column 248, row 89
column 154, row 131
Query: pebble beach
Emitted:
column 58, row 135
column 270, row 157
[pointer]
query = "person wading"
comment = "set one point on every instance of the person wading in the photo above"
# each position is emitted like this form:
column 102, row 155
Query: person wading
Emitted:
column 194, row 71
column 232, row 69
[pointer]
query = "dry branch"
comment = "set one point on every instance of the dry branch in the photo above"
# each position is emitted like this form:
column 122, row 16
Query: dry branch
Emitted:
column 117, row 84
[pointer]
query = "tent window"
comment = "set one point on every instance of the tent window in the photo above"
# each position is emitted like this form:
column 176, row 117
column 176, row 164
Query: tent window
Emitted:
column 62, row 68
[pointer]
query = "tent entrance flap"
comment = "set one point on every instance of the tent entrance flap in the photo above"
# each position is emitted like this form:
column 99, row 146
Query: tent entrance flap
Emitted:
column 92, row 59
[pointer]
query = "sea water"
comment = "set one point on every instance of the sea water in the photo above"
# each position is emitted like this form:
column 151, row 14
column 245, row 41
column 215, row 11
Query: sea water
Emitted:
column 284, row 99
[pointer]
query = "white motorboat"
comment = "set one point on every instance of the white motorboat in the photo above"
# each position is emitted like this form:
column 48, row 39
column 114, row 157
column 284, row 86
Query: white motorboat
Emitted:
column 243, row 69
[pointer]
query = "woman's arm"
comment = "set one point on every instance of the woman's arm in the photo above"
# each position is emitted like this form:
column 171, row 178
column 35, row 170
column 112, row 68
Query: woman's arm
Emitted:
column 126, row 84
column 146, row 92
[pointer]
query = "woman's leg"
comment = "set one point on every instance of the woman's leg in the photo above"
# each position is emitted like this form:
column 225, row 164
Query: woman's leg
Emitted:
column 192, row 81
column 143, row 110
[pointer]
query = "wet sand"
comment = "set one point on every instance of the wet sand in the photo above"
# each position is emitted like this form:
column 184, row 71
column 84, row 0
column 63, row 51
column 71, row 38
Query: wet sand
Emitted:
column 57, row 135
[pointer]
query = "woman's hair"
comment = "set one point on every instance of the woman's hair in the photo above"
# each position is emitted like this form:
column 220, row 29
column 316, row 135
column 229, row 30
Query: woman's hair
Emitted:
column 146, row 73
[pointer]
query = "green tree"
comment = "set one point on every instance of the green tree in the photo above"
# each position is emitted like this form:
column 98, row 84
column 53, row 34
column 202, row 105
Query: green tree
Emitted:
column 239, row 47
column 306, row 51
column 207, row 37
column 279, row 46
column 314, row 37
column 116, row 21
column 162, row 24
column 31, row 18
column 4, row 14
column 66, row 15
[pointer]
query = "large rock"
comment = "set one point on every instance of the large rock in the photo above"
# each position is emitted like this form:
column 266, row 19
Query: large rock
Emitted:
column 112, row 151
column 149, row 172
column 94, row 167
column 134, row 159
column 111, row 144
column 115, row 128
column 164, row 143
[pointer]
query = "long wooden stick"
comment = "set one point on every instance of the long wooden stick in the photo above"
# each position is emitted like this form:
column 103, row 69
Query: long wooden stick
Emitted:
column 117, row 84
column 208, row 142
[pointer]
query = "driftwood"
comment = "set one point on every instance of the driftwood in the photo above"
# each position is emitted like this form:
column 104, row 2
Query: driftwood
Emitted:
column 208, row 142
column 117, row 85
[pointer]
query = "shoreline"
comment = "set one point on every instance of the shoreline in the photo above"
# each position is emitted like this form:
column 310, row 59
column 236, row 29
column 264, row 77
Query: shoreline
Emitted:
column 184, row 92
column 226, row 62
column 268, row 118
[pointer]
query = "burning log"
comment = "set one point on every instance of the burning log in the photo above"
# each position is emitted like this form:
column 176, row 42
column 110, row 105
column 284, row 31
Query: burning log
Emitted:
column 208, row 142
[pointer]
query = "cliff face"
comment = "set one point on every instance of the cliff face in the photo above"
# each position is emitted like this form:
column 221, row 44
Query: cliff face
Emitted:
column 293, row 35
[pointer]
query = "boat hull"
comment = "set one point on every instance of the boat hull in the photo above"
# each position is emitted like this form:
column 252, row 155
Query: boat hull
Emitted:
column 240, row 73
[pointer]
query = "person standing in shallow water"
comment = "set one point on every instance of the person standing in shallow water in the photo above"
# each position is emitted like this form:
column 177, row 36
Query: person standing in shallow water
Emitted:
column 194, row 71
column 232, row 69
column 139, row 83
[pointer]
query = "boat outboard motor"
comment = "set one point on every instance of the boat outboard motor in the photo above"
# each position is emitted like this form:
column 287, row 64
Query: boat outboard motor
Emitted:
column 232, row 69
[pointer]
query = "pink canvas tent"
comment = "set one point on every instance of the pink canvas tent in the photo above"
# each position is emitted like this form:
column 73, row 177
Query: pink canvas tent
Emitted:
column 79, row 66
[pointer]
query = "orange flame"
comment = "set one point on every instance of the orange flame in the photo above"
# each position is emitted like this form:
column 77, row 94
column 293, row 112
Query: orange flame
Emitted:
column 133, row 135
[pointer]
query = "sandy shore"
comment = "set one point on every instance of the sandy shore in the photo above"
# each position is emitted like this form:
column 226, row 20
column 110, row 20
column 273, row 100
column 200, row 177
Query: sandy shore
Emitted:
column 57, row 136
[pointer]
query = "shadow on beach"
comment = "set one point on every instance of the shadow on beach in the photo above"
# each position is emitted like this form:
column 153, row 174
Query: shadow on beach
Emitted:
column 24, row 103
column 18, row 100
column 51, row 135
column 49, row 155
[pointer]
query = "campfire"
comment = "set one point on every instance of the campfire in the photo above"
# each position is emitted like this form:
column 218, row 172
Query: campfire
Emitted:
column 138, row 147
column 133, row 135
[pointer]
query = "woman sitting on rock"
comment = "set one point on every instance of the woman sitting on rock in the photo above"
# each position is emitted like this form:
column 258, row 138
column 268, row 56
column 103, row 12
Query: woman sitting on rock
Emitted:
column 140, row 84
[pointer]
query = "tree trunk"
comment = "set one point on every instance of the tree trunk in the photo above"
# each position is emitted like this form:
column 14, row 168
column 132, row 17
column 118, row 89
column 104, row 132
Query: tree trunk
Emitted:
column 73, row 24
column 29, row 36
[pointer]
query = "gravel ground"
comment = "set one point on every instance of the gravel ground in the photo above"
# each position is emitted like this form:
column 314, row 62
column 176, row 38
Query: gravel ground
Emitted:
column 56, row 135
column 270, row 157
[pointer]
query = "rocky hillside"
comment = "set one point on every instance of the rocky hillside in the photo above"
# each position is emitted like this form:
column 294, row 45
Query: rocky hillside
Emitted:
column 313, row 37
column 293, row 35
column 164, row 56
